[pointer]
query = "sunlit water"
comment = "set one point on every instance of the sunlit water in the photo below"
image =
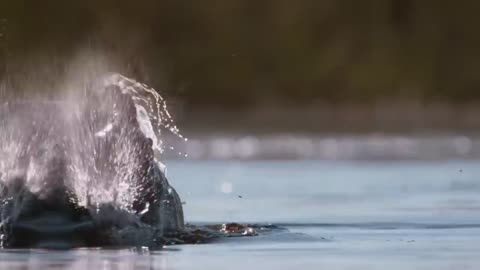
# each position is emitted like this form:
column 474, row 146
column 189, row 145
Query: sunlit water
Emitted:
column 339, row 215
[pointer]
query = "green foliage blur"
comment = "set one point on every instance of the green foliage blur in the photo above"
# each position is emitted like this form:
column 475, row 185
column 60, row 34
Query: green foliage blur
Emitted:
column 244, row 52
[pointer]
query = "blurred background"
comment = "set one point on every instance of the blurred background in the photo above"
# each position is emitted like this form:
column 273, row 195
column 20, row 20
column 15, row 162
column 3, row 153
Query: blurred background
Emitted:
column 273, row 79
column 354, row 124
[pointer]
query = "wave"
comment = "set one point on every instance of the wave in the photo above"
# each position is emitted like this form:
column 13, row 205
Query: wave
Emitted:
column 382, row 225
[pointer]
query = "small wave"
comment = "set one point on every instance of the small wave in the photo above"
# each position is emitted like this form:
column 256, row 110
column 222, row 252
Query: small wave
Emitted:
column 381, row 226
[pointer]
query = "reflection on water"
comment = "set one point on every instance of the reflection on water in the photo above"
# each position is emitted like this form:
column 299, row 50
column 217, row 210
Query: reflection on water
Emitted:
column 302, row 247
column 79, row 260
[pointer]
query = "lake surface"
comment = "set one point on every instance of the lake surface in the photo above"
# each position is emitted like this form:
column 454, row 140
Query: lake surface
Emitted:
column 338, row 215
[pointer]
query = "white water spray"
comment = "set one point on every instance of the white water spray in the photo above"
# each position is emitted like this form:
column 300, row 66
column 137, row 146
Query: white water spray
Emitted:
column 99, row 145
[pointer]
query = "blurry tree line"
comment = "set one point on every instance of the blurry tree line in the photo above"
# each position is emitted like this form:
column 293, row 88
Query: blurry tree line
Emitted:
column 240, row 52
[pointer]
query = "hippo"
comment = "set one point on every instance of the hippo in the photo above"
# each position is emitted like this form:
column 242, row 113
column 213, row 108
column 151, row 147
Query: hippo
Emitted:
column 84, row 171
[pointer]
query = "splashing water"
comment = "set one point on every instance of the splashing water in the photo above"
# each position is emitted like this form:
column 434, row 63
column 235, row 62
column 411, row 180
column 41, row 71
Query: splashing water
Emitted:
column 90, row 163
column 151, row 107
column 93, row 142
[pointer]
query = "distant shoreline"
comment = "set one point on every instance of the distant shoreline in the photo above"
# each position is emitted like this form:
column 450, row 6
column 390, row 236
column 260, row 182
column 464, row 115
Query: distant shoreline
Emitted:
column 367, row 147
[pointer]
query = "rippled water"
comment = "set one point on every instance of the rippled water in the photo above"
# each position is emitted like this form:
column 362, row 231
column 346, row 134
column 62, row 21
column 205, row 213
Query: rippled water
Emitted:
column 339, row 215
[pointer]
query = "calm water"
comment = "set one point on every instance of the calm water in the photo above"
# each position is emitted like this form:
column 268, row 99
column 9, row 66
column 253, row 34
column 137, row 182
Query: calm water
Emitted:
column 339, row 215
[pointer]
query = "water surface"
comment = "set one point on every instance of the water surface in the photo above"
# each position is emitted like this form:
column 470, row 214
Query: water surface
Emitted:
column 339, row 215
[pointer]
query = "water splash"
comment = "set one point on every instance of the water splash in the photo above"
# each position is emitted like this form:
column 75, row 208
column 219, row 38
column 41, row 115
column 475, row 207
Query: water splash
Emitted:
column 152, row 111
column 93, row 141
